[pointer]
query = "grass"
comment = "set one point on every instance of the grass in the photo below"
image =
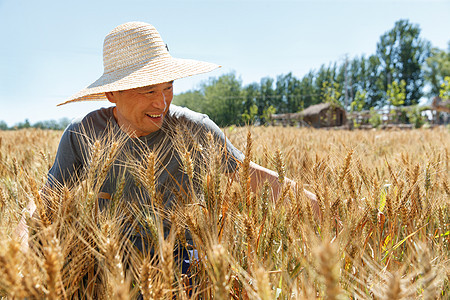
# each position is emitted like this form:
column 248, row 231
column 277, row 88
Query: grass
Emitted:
column 384, row 231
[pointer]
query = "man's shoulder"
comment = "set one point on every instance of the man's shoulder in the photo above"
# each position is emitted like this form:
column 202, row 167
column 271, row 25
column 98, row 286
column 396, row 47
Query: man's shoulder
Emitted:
column 183, row 116
column 100, row 116
column 184, row 113
column 93, row 122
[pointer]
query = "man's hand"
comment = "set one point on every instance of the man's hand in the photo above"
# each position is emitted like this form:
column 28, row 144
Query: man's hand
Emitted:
column 258, row 175
column 21, row 230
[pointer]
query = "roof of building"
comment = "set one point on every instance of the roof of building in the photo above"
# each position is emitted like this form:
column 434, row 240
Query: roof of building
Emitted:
column 309, row 111
column 440, row 104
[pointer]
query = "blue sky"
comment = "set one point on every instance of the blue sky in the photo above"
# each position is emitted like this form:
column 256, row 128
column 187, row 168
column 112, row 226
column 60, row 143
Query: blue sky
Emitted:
column 49, row 50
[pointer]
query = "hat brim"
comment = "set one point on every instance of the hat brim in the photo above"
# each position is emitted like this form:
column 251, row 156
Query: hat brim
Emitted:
column 160, row 70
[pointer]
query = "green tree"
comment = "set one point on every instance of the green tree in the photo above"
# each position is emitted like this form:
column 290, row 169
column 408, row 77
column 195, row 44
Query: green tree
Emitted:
column 415, row 117
column 444, row 92
column 364, row 77
column 324, row 76
column 359, row 101
column 373, row 82
column 223, row 101
column 52, row 124
column 396, row 93
column 249, row 116
column 268, row 111
column 194, row 100
column 288, row 93
column 3, row 125
column 331, row 93
column 220, row 98
column 437, row 67
column 375, row 118
column 251, row 93
column 266, row 98
column 358, row 104
column 23, row 125
column 402, row 54
column 308, row 92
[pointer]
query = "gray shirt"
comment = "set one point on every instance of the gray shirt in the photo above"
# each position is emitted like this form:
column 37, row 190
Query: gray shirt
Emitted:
column 74, row 152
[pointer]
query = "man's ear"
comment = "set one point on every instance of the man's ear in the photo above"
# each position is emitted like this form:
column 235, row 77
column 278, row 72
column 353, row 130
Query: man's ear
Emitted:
column 111, row 97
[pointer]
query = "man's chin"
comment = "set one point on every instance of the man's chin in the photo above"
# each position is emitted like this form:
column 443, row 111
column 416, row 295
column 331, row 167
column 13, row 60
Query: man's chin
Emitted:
column 152, row 129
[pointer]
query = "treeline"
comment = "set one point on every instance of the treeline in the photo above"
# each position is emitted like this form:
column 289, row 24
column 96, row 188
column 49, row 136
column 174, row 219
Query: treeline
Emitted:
column 404, row 63
column 51, row 124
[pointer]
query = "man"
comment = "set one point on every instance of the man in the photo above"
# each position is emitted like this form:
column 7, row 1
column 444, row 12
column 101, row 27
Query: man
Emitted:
column 138, row 78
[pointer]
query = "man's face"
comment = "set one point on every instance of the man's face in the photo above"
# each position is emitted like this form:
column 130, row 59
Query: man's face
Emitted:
column 141, row 111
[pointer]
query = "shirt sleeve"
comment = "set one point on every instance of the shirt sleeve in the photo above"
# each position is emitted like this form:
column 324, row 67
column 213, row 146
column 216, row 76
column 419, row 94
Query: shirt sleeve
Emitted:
column 232, row 156
column 68, row 161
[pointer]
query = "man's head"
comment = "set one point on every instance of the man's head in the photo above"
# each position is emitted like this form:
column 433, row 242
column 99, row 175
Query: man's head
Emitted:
column 141, row 111
column 135, row 56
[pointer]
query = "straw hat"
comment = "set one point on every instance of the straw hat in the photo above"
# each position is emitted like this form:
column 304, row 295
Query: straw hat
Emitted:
column 134, row 55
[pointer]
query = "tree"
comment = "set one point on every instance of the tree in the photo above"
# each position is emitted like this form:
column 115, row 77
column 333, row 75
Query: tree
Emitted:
column 373, row 82
column 308, row 92
column 251, row 94
column 363, row 78
column 223, row 100
column 437, row 67
column 288, row 93
column 402, row 53
column 359, row 101
column 52, row 124
column 396, row 93
column 3, row 125
column 250, row 114
column 220, row 98
column 375, row 118
column 444, row 92
column 331, row 93
column 269, row 111
column 415, row 116
column 23, row 125
column 63, row 123
column 357, row 105
column 191, row 99
column 267, row 95
column 324, row 76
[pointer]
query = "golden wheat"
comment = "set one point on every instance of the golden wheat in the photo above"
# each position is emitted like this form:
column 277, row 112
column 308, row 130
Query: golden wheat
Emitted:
column 383, row 230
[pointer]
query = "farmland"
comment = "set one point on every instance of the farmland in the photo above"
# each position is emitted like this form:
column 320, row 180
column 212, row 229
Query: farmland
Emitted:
column 383, row 230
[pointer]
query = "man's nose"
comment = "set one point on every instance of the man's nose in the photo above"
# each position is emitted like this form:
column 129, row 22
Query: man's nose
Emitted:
column 160, row 102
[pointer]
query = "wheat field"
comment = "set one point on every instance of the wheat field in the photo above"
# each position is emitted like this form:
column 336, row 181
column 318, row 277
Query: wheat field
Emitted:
column 383, row 231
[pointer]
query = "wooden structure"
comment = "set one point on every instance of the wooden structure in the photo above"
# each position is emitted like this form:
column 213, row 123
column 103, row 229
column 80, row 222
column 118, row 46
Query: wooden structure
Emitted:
column 441, row 105
column 317, row 116
column 441, row 110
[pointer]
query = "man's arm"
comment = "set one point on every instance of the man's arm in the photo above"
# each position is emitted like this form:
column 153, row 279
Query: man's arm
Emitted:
column 259, row 175
column 65, row 164
column 21, row 230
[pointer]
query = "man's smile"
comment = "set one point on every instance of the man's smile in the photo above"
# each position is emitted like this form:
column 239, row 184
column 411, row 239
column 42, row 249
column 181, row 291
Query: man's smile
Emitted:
column 154, row 116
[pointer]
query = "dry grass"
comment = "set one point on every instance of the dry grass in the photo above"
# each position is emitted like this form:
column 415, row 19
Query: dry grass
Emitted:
column 384, row 231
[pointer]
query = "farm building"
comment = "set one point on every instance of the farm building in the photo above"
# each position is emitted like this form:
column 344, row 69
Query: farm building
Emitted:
column 441, row 110
column 317, row 116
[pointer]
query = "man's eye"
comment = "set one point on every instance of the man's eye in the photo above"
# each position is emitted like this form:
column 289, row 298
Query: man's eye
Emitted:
column 149, row 92
column 169, row 88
